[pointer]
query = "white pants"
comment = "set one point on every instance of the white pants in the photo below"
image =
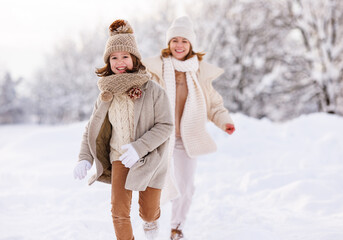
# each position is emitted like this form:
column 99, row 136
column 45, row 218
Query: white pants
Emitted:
column 184, row 169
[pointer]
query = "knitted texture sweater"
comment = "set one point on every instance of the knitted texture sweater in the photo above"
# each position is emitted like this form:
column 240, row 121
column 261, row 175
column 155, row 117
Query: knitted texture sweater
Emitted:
column 121, row 116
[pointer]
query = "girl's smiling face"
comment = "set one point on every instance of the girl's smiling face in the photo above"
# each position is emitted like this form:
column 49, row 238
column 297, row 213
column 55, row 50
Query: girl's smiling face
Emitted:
column 121, row 62
column 179, row 47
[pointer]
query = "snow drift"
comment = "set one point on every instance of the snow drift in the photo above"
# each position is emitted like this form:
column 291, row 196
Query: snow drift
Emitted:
column 268, row 181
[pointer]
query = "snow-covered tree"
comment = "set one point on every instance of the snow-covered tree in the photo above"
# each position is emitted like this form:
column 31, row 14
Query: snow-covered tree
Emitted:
column 65, row 87
column 269, row 72
column 12, row 106
column 320, row 24
column 151, row 32
column 243, row 37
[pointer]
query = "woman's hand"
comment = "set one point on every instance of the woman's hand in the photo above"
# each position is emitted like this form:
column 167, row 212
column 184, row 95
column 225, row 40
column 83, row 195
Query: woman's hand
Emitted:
column 229, row 128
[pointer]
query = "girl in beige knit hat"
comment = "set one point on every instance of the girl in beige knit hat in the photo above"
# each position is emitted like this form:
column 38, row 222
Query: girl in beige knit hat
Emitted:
column 128, row 133
column 188, row 82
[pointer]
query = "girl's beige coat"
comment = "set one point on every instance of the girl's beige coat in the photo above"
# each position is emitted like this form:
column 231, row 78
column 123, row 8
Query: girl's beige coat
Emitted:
column 153, row 125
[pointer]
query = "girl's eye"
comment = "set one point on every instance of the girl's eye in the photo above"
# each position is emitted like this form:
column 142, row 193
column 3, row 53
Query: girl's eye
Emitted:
column 114, row 57
column 126, row 56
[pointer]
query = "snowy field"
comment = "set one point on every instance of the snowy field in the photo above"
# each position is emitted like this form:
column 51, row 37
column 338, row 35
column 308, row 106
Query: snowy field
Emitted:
column 268, row 181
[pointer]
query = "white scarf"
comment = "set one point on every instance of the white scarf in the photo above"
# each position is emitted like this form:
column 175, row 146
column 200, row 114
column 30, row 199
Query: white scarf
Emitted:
column 194, row 117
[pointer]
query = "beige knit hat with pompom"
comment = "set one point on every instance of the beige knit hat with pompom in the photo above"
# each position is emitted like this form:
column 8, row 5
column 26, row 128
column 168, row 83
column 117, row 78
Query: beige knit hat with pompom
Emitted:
column 121, row 39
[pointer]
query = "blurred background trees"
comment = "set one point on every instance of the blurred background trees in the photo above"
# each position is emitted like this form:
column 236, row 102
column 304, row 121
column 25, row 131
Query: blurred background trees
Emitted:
column 281, row 59
column 13, row 108
column 65, row 88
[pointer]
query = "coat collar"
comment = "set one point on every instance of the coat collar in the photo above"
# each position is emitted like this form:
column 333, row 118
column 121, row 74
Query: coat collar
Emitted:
column 206, row 72
column 138, row 106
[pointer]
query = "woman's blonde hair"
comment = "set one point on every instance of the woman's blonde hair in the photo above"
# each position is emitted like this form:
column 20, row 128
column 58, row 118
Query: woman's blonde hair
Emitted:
column 166, row 53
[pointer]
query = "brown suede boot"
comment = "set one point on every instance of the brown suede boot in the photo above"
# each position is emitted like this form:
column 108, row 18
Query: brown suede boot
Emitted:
column 176, row 234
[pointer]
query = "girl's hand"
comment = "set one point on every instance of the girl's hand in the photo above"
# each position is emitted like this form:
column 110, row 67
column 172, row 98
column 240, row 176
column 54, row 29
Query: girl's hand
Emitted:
column 130, row 157
column 229, row 128
column 80, row 170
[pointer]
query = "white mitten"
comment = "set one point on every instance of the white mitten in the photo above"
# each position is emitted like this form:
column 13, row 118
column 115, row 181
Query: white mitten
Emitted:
column 80, row 170
column 129, row 157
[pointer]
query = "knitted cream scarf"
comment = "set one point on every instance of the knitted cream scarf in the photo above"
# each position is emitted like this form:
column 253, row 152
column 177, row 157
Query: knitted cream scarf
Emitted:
column 194, row 115
column 117, row 84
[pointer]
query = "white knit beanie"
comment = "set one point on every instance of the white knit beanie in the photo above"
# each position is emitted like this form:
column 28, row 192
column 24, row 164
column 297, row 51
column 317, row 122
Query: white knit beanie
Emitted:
column 181, row 27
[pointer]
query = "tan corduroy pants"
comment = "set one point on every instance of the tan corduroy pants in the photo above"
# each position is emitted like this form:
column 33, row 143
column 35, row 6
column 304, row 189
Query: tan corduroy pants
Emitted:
column 149, row 203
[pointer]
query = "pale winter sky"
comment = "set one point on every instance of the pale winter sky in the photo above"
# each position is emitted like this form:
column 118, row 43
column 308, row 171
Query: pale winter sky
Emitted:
column 30, row 29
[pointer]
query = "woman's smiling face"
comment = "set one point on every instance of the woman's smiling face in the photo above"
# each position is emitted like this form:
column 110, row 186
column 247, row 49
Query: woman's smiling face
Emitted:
column 179, row 47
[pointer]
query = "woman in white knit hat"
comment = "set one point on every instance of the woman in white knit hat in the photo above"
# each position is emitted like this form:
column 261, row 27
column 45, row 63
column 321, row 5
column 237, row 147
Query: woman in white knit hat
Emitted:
column 127, row 135
column 188, row 82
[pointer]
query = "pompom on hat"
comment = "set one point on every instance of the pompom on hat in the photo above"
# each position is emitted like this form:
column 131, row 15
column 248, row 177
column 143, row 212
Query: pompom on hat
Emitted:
column 181, row 27
column 121, row 39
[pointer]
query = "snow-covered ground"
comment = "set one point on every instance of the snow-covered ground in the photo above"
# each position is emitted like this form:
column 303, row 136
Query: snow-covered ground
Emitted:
column 268, row 181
